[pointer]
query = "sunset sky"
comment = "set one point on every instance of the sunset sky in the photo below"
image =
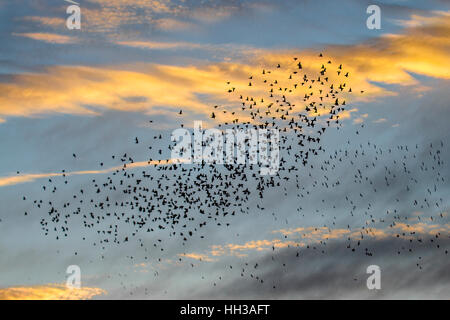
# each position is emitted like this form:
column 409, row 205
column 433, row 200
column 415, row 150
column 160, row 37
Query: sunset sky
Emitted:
column 90, row 92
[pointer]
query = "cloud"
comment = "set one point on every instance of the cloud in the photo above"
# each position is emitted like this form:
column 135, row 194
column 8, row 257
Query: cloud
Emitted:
column 170, row 24
column 227, row 48
column 48, row 37
column 341, row 273
column 159, row 6
column 420, row 21
column 47, row 21
column 49, row 292
column 110, row 17
column 86, row 90
column 214, row 14
column 197, row 256
column 22, row 178
column 78, row 90
column 162, row 13
column 303, row 236
column 100, row 16
column 160, row 45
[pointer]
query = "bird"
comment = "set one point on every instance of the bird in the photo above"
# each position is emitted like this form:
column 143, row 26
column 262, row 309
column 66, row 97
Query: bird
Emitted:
column 169, row 200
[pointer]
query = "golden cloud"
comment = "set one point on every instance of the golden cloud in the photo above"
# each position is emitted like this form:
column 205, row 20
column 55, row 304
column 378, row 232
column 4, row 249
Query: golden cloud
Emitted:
column 75, row 90
column 47, row 21
column 422, row 49
column 303, row 236
column 171, row 24
column 22, row 178
column 197, row 256
column 49, row 292
column 48, row 37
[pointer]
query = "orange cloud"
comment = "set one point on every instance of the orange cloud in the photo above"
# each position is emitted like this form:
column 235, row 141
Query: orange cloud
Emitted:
column 47, row 21
column 421, row 228
column 49, row 292
column 74, row 89
column 388, row 59
column 303, row 236
column 171, row 24
column 22, row 178
column 48, row 37
column 197, row 256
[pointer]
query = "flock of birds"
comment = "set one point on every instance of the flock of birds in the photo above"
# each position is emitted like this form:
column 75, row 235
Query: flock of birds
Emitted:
column 179, row 200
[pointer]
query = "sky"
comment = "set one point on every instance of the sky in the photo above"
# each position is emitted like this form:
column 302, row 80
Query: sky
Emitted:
column 91, row 91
